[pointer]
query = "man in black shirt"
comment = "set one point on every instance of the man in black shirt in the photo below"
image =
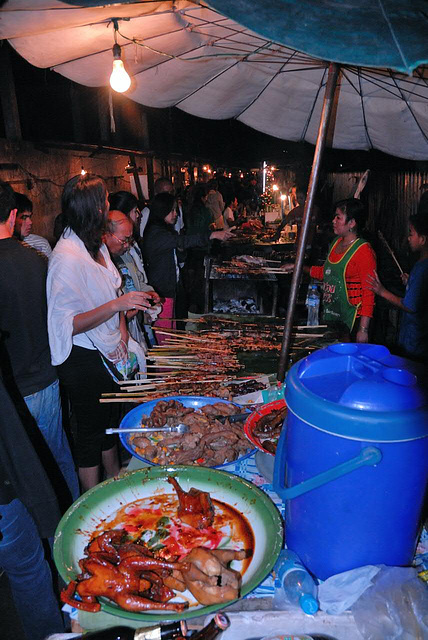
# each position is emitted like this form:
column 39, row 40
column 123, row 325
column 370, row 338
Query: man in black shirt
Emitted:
column 25, row 360
column 28, row 512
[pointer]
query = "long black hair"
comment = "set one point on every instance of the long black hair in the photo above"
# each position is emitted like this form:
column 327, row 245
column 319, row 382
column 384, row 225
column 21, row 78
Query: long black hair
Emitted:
column 354, row 209
column 123, row 201
column 84, row 205
column 161, row 205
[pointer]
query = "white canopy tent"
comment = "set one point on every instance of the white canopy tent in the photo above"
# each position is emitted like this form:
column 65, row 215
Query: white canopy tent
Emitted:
column 187, row 55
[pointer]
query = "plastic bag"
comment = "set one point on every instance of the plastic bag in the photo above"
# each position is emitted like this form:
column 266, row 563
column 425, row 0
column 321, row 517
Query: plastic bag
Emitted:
column 338, row 593
column 394, row 608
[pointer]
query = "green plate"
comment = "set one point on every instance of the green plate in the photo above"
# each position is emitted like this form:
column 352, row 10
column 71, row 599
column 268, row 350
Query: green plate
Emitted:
column 100, row 504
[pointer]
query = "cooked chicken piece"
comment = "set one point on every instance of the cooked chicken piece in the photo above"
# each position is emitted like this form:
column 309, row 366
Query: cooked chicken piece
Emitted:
column 209, row 579
column 195, row 507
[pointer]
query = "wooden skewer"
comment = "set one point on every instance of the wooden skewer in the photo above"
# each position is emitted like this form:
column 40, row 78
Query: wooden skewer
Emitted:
column 134, row 401
column 141, row 381
column 385, row 242
column 178, row 337
column 166, row 366
column 154, row 373
column 307, row 326
column 183, row 382
column 164, row 348
column 176, row 333
column 152, row 356
column 151, row 392
column 209, row 349
column 134, row 394
column 184, row 320
column 155, row 389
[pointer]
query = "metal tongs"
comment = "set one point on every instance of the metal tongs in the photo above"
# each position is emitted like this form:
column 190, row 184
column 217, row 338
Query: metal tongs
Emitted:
column 179, row 428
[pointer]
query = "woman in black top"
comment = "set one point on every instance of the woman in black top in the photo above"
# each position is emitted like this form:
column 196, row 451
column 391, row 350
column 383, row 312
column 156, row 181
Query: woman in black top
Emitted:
column 160, row 245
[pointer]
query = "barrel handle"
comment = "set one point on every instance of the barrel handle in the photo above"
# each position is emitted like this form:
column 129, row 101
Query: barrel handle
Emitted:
column 367, row 456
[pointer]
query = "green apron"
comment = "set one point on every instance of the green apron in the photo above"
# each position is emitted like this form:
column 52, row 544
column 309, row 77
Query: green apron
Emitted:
column 336, row 305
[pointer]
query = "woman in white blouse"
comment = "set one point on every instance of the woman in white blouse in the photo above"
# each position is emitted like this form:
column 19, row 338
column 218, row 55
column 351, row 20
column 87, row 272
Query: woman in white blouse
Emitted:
column 87, row 329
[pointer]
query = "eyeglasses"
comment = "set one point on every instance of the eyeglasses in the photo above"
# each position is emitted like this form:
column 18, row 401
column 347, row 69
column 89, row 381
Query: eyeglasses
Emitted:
column 128, row 240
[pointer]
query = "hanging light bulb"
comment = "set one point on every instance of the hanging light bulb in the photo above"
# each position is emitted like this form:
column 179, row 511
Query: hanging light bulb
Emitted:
column 83, row 172
column 119, row 79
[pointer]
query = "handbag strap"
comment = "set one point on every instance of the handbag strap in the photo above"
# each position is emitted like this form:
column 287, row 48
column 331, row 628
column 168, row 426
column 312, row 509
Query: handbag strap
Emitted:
column 115, row 374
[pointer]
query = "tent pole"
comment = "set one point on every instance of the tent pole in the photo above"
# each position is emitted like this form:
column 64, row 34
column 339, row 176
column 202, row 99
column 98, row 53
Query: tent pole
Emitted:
column 333, row 73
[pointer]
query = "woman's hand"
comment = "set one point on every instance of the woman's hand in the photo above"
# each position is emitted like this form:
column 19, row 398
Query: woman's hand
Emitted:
column 155, row 297
column 226, row 234
column 152, row 314
column 375, row 284
column 153, row 300
column 139, row 300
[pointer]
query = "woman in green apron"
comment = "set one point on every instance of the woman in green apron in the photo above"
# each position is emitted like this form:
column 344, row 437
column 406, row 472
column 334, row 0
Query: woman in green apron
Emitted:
column 348, row 302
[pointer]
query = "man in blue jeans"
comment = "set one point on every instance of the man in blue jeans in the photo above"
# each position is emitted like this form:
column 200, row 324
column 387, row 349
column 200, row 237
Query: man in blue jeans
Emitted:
column 25, row 360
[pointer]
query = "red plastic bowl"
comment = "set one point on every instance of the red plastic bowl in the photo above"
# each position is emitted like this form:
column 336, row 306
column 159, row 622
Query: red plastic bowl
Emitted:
column 251, row 422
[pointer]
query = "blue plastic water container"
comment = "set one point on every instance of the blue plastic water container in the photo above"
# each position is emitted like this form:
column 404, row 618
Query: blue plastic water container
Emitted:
column 351, row 465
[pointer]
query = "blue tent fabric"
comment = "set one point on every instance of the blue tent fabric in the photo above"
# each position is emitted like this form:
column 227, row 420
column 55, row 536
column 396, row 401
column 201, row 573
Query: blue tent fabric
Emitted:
column 366, row 33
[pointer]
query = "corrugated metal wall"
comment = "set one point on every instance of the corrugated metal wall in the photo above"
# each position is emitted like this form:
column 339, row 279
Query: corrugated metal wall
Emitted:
column 391, row 198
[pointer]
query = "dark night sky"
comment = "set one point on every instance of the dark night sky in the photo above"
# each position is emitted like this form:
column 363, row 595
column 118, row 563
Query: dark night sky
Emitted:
column 45, row 113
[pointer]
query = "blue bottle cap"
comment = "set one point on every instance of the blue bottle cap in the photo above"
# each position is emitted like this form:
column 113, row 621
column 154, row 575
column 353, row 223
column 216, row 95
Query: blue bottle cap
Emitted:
column 309, row 604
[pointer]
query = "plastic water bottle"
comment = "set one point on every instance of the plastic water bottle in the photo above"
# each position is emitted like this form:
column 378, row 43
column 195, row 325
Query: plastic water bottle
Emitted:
column 313, row 305
column 127, row 280
column 293, row 584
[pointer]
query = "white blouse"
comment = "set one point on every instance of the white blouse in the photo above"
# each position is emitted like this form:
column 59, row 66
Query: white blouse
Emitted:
column 77, row 284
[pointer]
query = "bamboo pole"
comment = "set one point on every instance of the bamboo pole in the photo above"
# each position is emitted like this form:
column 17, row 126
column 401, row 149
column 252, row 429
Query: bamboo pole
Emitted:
column 333, row 73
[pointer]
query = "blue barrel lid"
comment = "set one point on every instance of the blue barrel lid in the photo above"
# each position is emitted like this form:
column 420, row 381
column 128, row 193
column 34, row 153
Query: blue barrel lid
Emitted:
column 359, row 391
